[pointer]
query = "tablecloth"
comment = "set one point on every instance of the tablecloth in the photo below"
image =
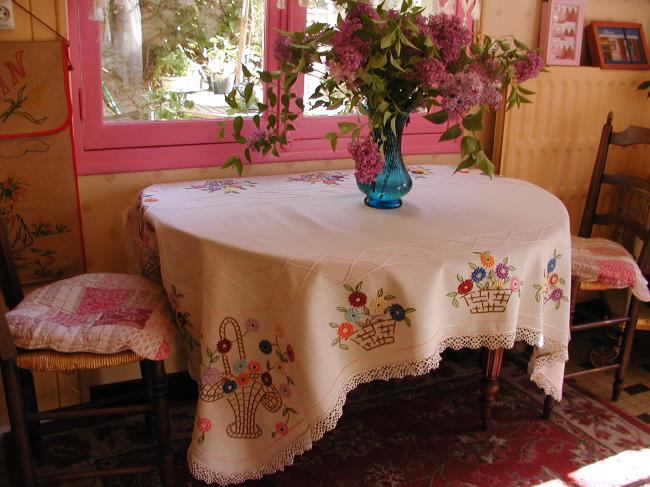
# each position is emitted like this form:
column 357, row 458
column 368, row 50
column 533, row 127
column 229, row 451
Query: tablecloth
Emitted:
column 289, row 292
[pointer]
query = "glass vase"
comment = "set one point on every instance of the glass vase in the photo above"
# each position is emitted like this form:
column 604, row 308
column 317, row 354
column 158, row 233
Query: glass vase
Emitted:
column 394, row 181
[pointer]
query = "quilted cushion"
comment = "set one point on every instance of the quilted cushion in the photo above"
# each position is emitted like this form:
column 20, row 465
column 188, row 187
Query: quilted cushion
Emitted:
column 98, row 313
column 603, row 260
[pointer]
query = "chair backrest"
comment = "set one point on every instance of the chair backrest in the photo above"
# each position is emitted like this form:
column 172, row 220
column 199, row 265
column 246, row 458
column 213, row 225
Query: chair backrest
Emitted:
column 11, row 288
column 634, row 226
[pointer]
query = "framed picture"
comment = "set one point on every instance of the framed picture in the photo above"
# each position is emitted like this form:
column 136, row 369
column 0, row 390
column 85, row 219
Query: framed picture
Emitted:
column 560, row 34
column 617, row 45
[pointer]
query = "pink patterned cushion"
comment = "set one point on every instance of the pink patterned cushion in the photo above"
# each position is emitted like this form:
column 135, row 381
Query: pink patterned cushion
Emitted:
column 603, row 260
column 98, row 313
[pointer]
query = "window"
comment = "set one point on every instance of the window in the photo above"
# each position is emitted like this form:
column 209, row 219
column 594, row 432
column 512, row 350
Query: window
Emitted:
column 151, row 76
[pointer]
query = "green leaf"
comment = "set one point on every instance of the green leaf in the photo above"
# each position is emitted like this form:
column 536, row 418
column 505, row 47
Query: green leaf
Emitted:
column 248, row 91
column 237, row 125
column 524, row 91
column 265, row 77
column 469, row 145
column 644, row 86
column 221, row 130
column 388, row 40
column 466, row 163
column 484, row 163
column 452, row 132
column 333, row 138
column 437, row 117
column 245, row 70
column 474, row 121
column 347, row 127
column 236, row 162
column 520, row 45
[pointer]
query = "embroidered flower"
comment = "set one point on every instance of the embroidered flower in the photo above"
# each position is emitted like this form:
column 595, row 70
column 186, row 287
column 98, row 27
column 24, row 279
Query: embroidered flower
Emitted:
column 357, row 299
column 515, row 283
column 378, row 306
column 465, row 287
column 502, row 271
column 353, row 315
column 553, row 278
column 240, row 366
column 203, row 425
column 224, row 345
column 397, row 312
column 229, row 386
column 556, row 294
column 282, row 429
column 284, row 389
column 345, row 330
column 478, row 274
column 487, row 260
column 254, row 367
column 379, row 318
column 211, row 376
column 243, row 379
column 291, row 356
column 266, row 347
column 267, row 380
column 550, row 267
column 252, row 325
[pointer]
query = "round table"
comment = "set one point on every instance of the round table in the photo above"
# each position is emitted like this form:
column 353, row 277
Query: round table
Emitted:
column 289, row 292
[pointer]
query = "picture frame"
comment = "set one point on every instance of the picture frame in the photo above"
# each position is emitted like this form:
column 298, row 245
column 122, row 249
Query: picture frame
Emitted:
column 617, row 45
column 560, row 34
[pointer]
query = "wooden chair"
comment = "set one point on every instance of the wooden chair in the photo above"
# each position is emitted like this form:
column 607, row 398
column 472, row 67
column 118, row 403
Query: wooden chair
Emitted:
column 18, row 364
column 633, row 232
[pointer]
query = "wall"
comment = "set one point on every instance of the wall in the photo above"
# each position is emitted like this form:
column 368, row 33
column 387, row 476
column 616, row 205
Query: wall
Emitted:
column 104, row 198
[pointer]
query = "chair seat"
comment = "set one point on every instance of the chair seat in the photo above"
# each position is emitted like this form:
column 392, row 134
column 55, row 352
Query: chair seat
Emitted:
column 95, row 313
column 52, row 361
column 603, row 261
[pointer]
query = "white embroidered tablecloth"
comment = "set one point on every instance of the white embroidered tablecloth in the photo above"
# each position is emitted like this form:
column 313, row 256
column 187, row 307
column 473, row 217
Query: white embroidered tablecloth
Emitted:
column 289, row 292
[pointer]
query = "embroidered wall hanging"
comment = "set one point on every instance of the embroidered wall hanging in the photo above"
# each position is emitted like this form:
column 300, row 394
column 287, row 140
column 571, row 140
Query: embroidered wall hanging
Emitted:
column 38, row 195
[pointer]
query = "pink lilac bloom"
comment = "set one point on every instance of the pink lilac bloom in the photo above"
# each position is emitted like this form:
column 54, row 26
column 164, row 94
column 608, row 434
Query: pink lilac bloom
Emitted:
column 367, row 159
column 460, row 92
column 282, row 49
column 528, row 67
column 392, row 14
column 492, row 83
column 449, row 34
column 254, row 138
column 350, row 50
column 430, row 72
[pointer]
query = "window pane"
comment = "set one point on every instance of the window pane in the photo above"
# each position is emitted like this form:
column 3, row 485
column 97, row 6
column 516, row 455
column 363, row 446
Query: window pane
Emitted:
column 176, row 59
column 326, row 12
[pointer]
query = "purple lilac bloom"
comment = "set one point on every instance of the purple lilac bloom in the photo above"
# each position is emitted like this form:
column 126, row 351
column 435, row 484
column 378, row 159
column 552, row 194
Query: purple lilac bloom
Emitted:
column 492, row 83
column 350, row 50
column 254, row 138
column 557, row 294
column 430, row 72
column 502, row 271
column 282, row 50
column 449, row 34
column 528, row 67
column 367, row 159
column 460, row 92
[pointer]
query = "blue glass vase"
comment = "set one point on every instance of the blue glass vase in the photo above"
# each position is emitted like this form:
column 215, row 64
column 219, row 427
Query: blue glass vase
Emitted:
column 394, row 181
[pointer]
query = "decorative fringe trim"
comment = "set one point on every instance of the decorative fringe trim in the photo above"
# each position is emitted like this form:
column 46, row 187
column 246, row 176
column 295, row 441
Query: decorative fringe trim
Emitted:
column 51, row 361
column 555, row 353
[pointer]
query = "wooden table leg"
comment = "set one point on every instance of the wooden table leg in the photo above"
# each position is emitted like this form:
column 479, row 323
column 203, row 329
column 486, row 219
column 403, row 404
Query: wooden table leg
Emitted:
column 492, row 361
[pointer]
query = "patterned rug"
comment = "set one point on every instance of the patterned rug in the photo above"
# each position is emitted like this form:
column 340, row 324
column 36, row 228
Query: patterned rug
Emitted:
column 416, row 432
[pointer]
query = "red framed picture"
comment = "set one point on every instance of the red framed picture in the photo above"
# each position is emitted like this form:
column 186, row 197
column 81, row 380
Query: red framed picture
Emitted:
column 560, row 34
column 617, row 45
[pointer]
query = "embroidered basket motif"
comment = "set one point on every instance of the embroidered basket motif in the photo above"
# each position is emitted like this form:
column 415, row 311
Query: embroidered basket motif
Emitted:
column 369, row 324
column 245, row 384
column 489, row 286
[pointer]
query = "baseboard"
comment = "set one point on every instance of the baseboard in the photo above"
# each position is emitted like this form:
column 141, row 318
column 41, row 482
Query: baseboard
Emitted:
column 181, row 387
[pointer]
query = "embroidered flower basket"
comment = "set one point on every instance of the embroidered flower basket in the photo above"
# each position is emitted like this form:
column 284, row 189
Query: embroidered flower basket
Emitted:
column 488, row 300
column 244, row 402
column 244, row 399
column 376, row 334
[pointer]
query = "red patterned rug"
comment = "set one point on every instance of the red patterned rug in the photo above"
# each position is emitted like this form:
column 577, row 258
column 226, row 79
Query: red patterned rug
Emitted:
column 418, row 432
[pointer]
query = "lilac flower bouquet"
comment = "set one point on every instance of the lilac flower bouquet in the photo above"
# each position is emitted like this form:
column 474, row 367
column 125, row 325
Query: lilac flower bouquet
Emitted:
column 387, row 64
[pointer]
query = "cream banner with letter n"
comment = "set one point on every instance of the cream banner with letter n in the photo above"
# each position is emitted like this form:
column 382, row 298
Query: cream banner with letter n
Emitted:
column 38, row 196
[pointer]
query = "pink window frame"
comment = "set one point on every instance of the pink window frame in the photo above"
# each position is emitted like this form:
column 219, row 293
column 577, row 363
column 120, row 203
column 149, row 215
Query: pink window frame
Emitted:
column 144, row 146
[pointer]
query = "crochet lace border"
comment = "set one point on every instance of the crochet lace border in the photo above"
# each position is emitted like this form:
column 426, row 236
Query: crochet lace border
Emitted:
column 554, row 353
